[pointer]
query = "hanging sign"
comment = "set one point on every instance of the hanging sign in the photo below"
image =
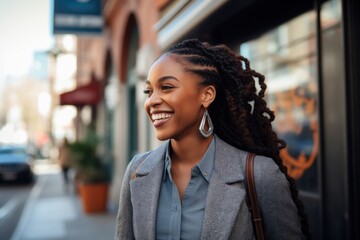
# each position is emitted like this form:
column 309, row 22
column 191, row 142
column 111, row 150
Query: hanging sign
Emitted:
column 81, row 17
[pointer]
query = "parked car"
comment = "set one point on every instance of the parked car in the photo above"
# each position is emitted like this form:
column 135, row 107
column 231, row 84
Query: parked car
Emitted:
column 16, row 164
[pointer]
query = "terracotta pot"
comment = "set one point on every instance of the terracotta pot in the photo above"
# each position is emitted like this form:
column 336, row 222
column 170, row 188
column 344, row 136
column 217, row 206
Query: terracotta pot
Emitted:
column 94, row 197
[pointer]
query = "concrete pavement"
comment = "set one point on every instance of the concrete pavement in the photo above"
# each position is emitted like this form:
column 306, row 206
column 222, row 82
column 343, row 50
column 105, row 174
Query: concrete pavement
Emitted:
column 54, row 212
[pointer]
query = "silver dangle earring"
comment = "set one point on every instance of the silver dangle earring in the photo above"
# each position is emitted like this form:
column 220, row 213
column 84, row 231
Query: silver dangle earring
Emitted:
column 202, row 130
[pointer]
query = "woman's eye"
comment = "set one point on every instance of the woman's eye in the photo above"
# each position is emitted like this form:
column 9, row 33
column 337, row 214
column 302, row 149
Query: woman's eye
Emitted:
column 166, row 87
column 147, row 91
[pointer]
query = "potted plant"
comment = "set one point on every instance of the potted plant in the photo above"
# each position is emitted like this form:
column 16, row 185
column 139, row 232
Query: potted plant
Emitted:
column 91, row 176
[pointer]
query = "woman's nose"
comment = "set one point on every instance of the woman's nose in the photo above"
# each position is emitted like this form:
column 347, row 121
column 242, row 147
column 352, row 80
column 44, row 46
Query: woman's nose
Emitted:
column 153, row 100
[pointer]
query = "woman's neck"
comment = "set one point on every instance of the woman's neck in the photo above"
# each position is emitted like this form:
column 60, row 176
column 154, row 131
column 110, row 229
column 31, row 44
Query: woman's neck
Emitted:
column 190, row 150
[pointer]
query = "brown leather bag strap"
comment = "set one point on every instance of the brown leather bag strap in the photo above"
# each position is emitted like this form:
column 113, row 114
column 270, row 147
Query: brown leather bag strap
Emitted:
column 253, row 201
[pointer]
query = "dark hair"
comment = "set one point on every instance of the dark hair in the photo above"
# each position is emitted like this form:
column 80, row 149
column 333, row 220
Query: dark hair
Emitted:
column 239, row 113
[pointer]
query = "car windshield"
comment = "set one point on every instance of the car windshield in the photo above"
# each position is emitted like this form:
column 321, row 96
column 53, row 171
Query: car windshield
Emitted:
column 12, row 150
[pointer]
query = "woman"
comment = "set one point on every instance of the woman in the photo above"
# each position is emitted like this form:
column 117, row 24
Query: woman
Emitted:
column 64, row 160
column 202, row 101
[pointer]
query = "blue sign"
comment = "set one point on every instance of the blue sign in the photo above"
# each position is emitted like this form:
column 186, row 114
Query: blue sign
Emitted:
column 77, row 17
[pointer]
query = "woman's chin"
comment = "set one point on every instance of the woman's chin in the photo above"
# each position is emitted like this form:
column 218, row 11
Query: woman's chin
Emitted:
column 162, row 136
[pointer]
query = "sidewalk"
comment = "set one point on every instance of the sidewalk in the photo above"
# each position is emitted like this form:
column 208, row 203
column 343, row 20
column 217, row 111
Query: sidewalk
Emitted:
column 54, row 212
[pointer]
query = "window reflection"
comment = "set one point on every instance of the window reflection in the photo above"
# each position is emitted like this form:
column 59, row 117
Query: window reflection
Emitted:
column 287, row 58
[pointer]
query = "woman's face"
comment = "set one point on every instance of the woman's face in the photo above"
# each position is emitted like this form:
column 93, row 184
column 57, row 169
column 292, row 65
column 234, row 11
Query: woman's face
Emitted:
column 174, row 99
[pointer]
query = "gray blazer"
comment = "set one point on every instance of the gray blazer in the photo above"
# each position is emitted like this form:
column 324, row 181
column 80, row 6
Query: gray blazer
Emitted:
column 226, row 214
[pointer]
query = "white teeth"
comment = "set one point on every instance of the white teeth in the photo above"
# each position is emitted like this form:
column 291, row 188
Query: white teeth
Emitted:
column 160, row 116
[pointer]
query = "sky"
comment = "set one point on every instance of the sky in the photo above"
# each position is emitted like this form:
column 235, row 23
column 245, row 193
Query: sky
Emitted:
column 25, row 27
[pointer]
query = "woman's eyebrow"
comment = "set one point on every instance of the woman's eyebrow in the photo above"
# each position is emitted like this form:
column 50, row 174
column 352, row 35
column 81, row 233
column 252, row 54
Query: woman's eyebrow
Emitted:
column 164, row 78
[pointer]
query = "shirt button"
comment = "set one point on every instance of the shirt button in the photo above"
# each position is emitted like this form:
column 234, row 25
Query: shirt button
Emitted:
column 206, row 173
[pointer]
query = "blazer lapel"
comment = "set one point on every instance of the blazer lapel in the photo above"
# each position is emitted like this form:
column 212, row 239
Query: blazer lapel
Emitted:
column 145, row 190
column 226, row 192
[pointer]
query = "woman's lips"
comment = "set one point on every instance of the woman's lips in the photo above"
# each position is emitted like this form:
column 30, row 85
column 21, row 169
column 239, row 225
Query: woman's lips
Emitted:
column 159, row 119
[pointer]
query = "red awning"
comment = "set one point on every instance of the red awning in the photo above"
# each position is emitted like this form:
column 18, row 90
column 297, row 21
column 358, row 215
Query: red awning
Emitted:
column 89, row 94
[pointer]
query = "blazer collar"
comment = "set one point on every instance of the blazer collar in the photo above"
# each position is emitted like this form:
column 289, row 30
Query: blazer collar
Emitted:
column 228, row 162
column 145, row 188
column 152, row 160
column 226, row 192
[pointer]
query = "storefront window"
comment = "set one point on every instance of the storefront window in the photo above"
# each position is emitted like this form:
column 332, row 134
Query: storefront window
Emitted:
column 287, row 58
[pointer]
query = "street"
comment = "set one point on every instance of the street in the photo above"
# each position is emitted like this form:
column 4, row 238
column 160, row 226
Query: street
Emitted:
column 48, row 209
column 12, row 201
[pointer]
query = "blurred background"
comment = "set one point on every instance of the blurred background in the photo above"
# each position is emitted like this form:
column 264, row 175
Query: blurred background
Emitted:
column 72, row 74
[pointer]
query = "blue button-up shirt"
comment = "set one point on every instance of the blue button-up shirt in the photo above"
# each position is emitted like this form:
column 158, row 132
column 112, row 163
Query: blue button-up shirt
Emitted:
column 183, row 220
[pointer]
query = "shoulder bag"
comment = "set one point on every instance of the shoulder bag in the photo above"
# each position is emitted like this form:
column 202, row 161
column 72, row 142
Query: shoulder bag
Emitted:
column 252, row 197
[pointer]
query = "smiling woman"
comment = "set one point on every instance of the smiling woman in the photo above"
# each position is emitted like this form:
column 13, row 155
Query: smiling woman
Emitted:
column 202, row 101
column 176, row 100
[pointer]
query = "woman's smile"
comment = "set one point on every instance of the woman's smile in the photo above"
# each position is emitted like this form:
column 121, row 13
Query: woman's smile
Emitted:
column 159, row 119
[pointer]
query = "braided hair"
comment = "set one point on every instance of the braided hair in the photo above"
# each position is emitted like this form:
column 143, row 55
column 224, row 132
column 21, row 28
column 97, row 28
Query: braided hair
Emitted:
column 239, row 112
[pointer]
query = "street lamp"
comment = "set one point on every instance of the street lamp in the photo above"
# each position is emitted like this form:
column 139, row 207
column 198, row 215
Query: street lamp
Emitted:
column 53, row 55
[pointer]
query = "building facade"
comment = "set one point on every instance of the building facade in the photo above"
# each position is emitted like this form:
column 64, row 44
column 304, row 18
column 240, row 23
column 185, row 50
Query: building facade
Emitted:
column 307, row 52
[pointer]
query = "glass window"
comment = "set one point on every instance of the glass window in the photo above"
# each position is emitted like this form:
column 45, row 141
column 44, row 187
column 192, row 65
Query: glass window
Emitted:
column 287, row 58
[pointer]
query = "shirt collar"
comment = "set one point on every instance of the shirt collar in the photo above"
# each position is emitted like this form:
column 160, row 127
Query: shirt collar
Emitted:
column 205, row 166
column 167, row 165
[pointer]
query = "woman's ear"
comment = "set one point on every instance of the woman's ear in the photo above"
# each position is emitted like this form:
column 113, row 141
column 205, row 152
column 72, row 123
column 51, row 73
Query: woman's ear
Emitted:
column 208, row 95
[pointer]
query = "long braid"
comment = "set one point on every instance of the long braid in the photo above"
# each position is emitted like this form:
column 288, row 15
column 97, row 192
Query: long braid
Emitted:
column 239, row 123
